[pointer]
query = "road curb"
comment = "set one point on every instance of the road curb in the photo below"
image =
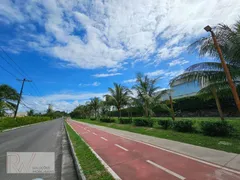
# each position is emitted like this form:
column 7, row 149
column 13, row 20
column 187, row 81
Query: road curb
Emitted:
column 75, row 159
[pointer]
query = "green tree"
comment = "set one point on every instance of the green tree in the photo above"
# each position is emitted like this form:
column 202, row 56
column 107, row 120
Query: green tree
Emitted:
column 30, row 112
column 8, row 97
column 148, row 94
column 95, row 105
column 118, row 97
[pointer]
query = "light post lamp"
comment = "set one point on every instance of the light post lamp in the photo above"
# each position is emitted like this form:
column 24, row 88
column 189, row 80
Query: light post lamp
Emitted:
column 225, row 68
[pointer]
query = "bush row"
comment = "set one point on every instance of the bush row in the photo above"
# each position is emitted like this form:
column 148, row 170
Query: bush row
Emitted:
column 209, row 128
column 7, row 123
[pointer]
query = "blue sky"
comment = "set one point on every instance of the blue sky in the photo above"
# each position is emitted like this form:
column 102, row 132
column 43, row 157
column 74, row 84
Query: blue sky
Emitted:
column 75, row 49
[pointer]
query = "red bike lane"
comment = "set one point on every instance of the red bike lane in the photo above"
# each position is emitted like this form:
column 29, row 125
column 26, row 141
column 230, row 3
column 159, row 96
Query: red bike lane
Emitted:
column 135, row 160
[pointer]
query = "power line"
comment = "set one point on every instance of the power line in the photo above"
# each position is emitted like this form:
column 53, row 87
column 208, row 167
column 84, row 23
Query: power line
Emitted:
column 13, row 62
column 11, row 65
column 9, row 72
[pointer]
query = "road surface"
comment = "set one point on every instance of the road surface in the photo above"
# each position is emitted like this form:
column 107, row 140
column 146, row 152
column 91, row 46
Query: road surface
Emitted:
column 42, row 137
column 134, row 160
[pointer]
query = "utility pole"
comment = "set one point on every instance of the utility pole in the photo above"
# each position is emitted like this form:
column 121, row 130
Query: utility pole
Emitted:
column 225, row 68
column 20, row 96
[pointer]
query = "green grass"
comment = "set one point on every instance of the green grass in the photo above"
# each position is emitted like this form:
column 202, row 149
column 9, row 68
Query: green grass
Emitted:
column 8, row 123
column 190, row 138
column 92, row 167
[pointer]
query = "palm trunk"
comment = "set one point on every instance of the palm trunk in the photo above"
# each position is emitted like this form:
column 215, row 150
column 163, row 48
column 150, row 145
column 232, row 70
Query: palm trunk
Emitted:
column 218, row 103
column 119, row 113
column 172, row 110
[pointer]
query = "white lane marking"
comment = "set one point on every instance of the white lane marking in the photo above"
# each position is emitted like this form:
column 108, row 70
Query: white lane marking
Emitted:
column 104, row 139
column 166, row 170
column 88, row 131
column 174, row 152
column 121, row 147
column 95, row 134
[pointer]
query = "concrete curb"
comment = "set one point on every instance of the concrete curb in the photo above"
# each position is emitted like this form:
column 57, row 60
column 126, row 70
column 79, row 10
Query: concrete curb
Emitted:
column 108, row 168
column 6, row 130
column 75, row 159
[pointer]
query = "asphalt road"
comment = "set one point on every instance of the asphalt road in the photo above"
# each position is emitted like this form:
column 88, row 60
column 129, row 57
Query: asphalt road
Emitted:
column 136, row 160
column 44, row 137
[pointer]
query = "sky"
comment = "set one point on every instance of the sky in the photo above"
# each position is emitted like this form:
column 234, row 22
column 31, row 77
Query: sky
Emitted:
column 73, row 50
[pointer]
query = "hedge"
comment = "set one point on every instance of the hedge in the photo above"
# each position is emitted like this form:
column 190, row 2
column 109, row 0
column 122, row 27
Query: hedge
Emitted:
column 165, row 124
column 125, row 121
column 217, row 128
column 183, row 125
column 143, row 122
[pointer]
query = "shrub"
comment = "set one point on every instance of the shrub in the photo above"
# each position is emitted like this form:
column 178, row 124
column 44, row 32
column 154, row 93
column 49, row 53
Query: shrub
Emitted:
column 165, row 124
column 125, row 121
column 143, row 122
column 107, row 120
column 93, row 119
column 183, row 125
column 216, row 128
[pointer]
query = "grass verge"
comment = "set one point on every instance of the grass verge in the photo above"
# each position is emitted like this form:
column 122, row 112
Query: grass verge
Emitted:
column 92, row 167
column 8, row 123
column 219, row 143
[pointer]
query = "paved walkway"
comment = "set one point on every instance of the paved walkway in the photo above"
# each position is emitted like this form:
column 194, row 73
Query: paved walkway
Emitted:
column 130, row 157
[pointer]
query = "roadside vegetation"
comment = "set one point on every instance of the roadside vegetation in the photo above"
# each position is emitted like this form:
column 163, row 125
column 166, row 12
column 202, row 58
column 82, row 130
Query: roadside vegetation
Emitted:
column 92, row 167
column 8, row 123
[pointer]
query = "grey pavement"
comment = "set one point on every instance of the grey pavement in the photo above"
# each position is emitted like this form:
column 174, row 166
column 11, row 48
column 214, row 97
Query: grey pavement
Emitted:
column 221, row 158
column 43, row 137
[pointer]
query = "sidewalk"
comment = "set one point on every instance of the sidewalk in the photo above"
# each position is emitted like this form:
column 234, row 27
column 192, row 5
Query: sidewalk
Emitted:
column 221, row 158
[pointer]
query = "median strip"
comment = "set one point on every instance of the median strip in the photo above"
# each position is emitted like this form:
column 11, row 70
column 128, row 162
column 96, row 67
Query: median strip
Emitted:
column 91, row 166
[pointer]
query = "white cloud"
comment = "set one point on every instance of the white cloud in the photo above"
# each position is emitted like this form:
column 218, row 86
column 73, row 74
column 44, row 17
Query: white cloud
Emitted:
column 130, row 80
column 63, row 102
column 155, row 73
column 106, row 75
column 179, row 61
column 115, row 30
column 172, row 74
column 90, row 84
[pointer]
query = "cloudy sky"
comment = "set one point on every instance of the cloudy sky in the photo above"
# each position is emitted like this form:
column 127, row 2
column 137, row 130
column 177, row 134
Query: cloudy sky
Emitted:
column 75, row 49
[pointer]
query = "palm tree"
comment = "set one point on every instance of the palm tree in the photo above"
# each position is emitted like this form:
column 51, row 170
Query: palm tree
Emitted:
column 168, row 92
column 229, row 42
column 148, row 95
column 8, row 96
column 212, row 78
column 118, row 97
column 95, row 105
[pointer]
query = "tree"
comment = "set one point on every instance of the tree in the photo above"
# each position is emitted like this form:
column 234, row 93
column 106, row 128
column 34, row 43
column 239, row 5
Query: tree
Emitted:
column 168, row 93
column 118, row 97
column 148, row 94
column 229, row 43
column 95, row 105
column 30, row 112
column 8, row 97
column 212, row 78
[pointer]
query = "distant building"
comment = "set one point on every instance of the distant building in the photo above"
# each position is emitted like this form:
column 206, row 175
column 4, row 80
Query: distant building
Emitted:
column 185, row 89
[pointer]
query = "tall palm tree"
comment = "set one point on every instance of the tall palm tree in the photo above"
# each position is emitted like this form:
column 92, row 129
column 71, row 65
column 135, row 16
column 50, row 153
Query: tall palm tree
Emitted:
column 168, row 92
column 8, row 96
column 95, row 105
column 229, row 42
column 118, row 97
column 212, row 78
column 148, row 94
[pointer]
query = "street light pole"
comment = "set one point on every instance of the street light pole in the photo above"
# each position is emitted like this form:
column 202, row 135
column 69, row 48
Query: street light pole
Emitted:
column 225, row 68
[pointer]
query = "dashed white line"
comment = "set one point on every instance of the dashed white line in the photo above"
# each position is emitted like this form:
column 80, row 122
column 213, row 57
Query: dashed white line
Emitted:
column 95, row 134
column 121, row 147
column 166, row 170
column 104, row 139
column 88, row 131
